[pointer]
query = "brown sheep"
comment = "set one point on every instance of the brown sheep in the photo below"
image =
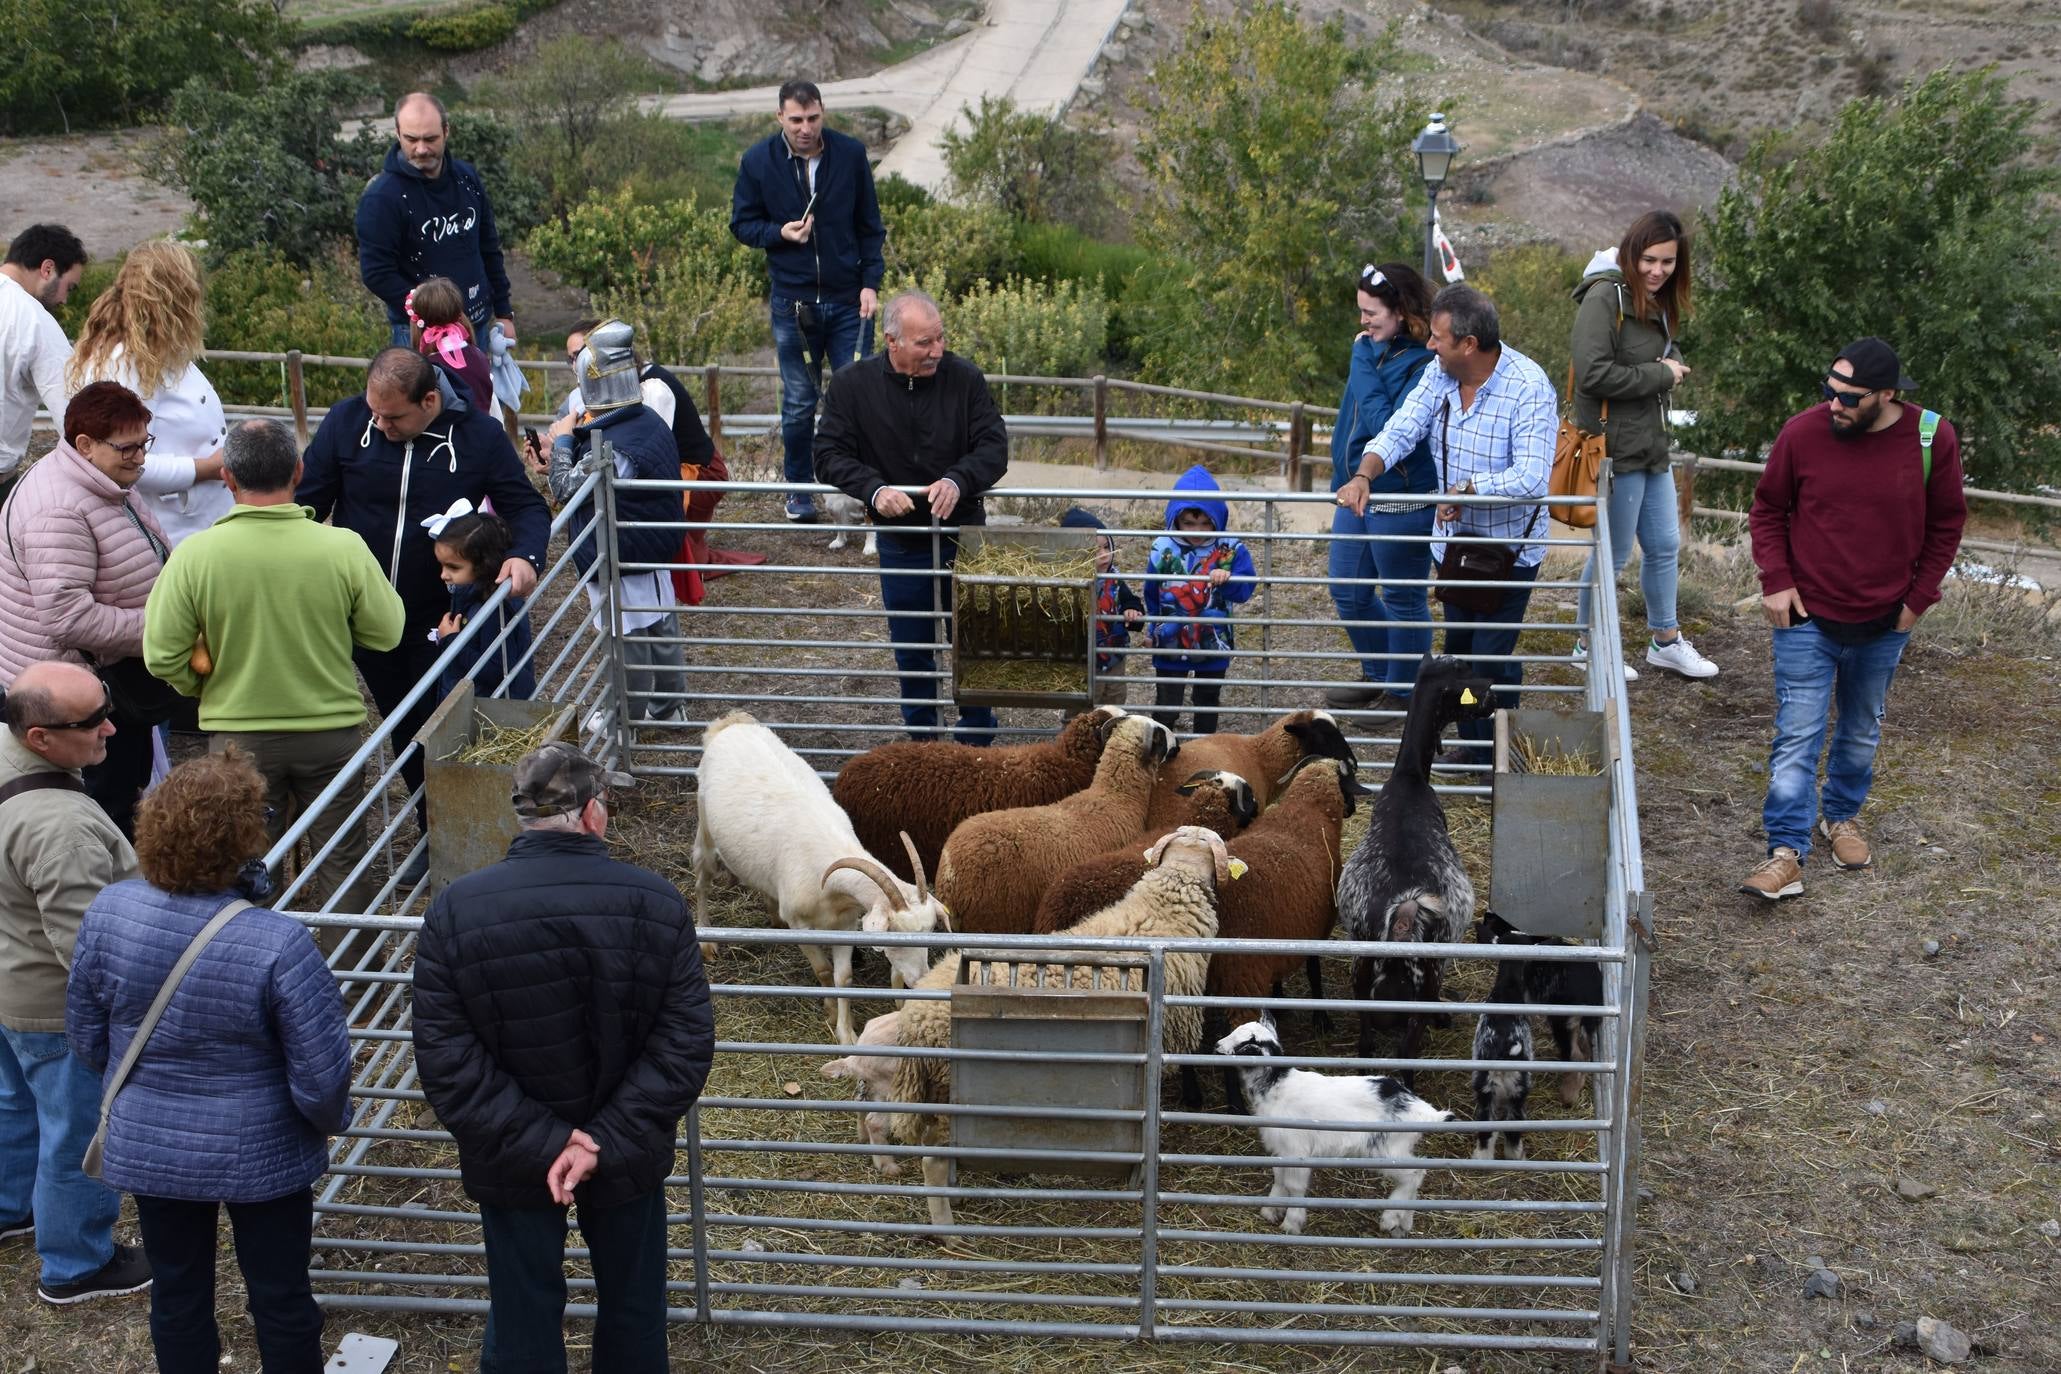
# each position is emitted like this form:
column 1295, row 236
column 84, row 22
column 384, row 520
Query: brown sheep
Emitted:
column 997, row 865
column 1221, row 802
column 1262, row 759
column 928, row 788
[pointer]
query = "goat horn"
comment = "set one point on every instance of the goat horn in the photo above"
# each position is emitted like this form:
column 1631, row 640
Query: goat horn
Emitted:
column 883, row 879
column 916, row 863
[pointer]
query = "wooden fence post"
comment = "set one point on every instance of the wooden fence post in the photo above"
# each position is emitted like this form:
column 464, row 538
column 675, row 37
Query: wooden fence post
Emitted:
column 297, row 394
column 1101, row 423
column 714, row 419
column 1298, row 476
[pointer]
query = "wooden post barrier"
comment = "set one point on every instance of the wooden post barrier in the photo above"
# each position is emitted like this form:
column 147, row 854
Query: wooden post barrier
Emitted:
column 1101, row 423
column 297, row 394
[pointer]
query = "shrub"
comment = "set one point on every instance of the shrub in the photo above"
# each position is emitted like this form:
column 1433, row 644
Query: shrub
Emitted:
column 1533, row 290
column 464, row 30
column 1918, row 219
column 261, row 301
column 1030, row 166
column 1032, row 328
column 896, row 192
column 949, row 246
column 489, row 143
column 610, row 243
column 691, row 312
column 71, row 66
column 1060, row 252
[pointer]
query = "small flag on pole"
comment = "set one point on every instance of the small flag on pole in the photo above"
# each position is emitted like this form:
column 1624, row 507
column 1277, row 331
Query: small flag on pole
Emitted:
column 1448, row 260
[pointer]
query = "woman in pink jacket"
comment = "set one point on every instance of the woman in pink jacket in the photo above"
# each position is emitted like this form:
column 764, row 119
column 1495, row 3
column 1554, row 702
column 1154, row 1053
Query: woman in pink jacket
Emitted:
column 78, row 557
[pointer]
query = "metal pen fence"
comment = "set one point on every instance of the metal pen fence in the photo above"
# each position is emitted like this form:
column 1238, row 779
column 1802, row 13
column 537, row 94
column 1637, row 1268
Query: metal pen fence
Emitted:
column 786, row 1223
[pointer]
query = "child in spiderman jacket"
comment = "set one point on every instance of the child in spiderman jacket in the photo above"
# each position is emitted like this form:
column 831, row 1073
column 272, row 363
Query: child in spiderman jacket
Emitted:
column 1194, row 576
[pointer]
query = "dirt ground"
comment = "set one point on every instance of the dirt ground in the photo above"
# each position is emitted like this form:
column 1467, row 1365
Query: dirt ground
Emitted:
column 1818, row 1085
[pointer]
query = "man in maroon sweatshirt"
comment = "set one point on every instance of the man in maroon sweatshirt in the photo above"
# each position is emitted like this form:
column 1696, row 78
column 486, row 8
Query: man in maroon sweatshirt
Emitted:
column 1855, row 522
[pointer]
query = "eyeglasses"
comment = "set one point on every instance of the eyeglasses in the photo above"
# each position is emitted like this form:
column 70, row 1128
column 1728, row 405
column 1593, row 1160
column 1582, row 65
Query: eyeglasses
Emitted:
column 126, row 450
column 92, row 722
column 1850, row 399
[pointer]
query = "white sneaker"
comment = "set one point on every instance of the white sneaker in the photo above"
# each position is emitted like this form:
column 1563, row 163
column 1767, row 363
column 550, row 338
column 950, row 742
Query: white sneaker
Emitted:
column 1581, row 655
column 1679, row 655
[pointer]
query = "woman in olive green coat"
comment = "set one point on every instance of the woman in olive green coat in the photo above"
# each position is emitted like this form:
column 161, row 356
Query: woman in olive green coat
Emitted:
column 1631, row 303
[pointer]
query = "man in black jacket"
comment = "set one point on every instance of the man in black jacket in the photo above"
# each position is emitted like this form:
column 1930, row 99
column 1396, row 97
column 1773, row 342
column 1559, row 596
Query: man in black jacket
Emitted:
column 915, row 416
column 562, row 1028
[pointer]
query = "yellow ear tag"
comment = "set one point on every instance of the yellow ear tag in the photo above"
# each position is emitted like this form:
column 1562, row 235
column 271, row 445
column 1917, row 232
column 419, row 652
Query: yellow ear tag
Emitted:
column 1467, row 696
column 1237, row 868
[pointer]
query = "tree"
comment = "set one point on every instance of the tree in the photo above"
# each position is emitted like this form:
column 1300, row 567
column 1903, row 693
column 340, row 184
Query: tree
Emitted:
column 1921, row 219
column 1276, row 176
column 1029, row 166
column 564, row 99
column 114, row 62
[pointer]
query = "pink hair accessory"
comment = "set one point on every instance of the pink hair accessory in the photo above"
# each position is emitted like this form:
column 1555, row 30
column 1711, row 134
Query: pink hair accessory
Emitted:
column 449, row 340
column 408, row 309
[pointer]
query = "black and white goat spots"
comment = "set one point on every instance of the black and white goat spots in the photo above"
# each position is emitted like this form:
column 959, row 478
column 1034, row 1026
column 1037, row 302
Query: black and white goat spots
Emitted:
column 1391, row 1115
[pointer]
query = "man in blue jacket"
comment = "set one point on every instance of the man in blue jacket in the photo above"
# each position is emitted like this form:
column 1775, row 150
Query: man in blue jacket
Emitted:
column 427, row 215
column 805, row 196
column 384, row 462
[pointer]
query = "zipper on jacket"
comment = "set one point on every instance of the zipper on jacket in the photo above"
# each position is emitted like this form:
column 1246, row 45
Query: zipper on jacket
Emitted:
column 393, row 562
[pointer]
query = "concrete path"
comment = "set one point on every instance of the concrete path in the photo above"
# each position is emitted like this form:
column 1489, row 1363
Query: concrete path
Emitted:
column 1036, row 52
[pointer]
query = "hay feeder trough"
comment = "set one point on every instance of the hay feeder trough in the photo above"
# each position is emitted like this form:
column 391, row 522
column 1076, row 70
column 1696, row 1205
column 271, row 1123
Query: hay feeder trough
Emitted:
column 471, row 821
column 1023, row 618
column 1550, row 850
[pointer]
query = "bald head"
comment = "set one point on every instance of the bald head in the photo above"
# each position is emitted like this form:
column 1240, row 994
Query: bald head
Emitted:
column 58, row 711
column 421, row 126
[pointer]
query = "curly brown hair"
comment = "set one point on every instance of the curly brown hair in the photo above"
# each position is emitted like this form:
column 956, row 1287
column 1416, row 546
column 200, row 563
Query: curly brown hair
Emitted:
column 201, row 824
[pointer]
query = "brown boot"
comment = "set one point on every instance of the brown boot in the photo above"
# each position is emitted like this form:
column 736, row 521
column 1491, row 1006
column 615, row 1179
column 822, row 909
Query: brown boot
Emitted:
column 1849, row 846
column 1779, row 875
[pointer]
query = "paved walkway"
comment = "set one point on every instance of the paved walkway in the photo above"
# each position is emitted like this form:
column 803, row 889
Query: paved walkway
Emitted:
column 1036, row 52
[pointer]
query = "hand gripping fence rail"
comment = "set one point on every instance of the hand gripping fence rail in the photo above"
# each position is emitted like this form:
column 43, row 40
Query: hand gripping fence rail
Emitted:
column 780, row 1216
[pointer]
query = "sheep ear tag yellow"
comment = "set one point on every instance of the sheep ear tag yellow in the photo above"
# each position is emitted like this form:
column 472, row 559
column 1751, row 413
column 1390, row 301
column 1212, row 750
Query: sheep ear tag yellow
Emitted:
column 1467, row 696
column 1238, row 867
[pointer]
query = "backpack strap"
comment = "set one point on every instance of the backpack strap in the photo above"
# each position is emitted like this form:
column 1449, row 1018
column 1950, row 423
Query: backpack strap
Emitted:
column 38, row 782
column 1928, row 426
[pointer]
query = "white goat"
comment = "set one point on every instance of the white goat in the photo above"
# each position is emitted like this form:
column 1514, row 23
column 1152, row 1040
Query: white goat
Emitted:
column 762, row 814
column 909, row 962
column 1383, row 1103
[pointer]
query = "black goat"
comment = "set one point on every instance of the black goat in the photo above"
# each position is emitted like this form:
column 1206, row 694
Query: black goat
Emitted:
column 1405, row 881
column 1550, row 983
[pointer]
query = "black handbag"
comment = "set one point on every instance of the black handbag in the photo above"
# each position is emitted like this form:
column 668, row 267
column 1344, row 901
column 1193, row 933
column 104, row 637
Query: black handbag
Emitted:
column 1466, row 566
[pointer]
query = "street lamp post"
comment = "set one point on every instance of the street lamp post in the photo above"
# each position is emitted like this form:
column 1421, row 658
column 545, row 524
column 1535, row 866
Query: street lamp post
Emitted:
column 1435, row 149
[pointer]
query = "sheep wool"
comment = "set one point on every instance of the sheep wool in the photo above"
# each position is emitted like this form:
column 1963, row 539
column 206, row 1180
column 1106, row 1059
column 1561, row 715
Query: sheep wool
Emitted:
column 1266, row 758
column 1222, row 802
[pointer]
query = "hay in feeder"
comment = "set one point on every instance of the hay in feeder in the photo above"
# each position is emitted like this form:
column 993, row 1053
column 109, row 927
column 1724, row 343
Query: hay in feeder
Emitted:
column 1553, row 760
column 505, row 744
column 1022, row 675
column 1014, row 602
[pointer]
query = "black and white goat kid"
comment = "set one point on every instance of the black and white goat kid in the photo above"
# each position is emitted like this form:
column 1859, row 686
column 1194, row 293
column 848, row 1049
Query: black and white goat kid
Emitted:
column 1388, row 1109
column 1550, row 984
column 1405, row 882
column 1499, row 1094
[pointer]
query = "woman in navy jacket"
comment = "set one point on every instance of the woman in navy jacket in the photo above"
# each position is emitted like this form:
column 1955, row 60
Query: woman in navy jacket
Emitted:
column 245, row 1077
column 1388, row 359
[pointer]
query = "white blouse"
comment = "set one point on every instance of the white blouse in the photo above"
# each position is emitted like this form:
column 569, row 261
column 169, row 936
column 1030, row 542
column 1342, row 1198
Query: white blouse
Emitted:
column 186, row 423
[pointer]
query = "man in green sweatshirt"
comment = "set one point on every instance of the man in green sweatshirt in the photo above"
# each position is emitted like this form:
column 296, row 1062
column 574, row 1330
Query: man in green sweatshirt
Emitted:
column 257, row 616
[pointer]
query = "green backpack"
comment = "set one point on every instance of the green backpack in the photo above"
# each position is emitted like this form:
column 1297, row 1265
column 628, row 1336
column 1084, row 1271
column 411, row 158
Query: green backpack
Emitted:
column 1928, row 426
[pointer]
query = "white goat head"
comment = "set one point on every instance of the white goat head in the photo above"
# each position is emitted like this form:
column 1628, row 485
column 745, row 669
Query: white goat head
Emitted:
column 1198, row 850
column 900, row 908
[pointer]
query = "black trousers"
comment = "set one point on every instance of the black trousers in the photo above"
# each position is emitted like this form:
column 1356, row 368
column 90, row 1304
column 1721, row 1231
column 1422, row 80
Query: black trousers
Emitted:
column 1172, row 685
column 526, row 1286
column 117, row 781
column 391, row 673
column 272, row 1240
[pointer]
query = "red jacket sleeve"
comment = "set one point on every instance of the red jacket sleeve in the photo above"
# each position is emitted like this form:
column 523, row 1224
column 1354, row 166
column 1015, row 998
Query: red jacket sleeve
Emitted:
column 1946, row 511
column 1773, row 501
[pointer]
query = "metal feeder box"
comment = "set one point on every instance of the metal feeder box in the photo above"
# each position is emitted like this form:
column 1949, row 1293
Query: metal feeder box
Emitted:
column 1025, row 636
column 1550, row 843
column 470, row 819
column 1035, row 1011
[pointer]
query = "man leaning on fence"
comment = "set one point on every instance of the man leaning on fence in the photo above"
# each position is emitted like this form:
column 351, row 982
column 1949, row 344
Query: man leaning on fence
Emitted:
column 1491, row 416
column 1855, row 523
column 562, row 1028
column 919, row 416
column 58, row 849
column 258, row 616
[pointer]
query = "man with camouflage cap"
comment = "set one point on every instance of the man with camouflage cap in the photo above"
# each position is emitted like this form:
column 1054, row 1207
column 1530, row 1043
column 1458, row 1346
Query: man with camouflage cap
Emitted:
column 562, row 1029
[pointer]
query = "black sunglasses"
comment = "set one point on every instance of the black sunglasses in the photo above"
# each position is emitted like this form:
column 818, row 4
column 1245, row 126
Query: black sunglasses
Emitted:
column 1850, row 399
column 92, row 722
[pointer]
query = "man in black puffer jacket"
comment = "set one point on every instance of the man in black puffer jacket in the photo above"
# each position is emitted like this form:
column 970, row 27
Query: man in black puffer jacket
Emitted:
column 915, row 416
column 562, row 1028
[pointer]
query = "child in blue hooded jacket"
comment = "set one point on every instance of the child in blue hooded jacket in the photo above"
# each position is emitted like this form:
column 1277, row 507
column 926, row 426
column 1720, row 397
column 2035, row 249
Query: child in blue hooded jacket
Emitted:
column 1194, row 576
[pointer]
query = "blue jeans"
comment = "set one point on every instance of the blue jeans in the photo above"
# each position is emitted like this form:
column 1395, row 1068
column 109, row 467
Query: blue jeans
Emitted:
column 49, row 1109
column 1643, row 504
column 400, row 335
column 1504, row 678
column 1356, row 569
column 526, row 1286
column 839, row 336
column 1812, row 675
column 913, row 628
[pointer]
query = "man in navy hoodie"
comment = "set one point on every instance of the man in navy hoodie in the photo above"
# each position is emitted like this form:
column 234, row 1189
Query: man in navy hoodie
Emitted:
column 384, row 462
column 427, row 215
column 805, row 196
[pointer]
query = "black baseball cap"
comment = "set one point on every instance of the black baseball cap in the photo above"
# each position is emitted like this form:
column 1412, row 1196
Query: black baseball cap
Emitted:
column 559, row 779
column 1875, row 365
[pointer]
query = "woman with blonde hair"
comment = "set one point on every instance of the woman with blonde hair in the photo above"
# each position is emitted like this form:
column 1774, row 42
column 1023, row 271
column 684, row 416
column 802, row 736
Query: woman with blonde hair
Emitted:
column 238, row 1084
column 144, row 332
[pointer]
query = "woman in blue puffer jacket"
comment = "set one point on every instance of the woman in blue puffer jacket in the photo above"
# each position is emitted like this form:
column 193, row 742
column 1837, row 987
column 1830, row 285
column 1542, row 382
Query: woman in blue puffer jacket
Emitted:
column 1389, row 357
column 236, row 1091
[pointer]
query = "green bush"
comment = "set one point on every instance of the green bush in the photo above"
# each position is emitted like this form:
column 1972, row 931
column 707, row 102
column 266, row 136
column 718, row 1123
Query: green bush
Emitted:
column 489, row 143
column 1060, row 252
column 949, row 247
column 260, row 301
column 693, row 311
column 1533, row 288
column 105, row 65
column 1032, row 328
column 1029, row 166
column 1920, row 219
column 611, row 243
column 464, row 30
column 896, row 192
